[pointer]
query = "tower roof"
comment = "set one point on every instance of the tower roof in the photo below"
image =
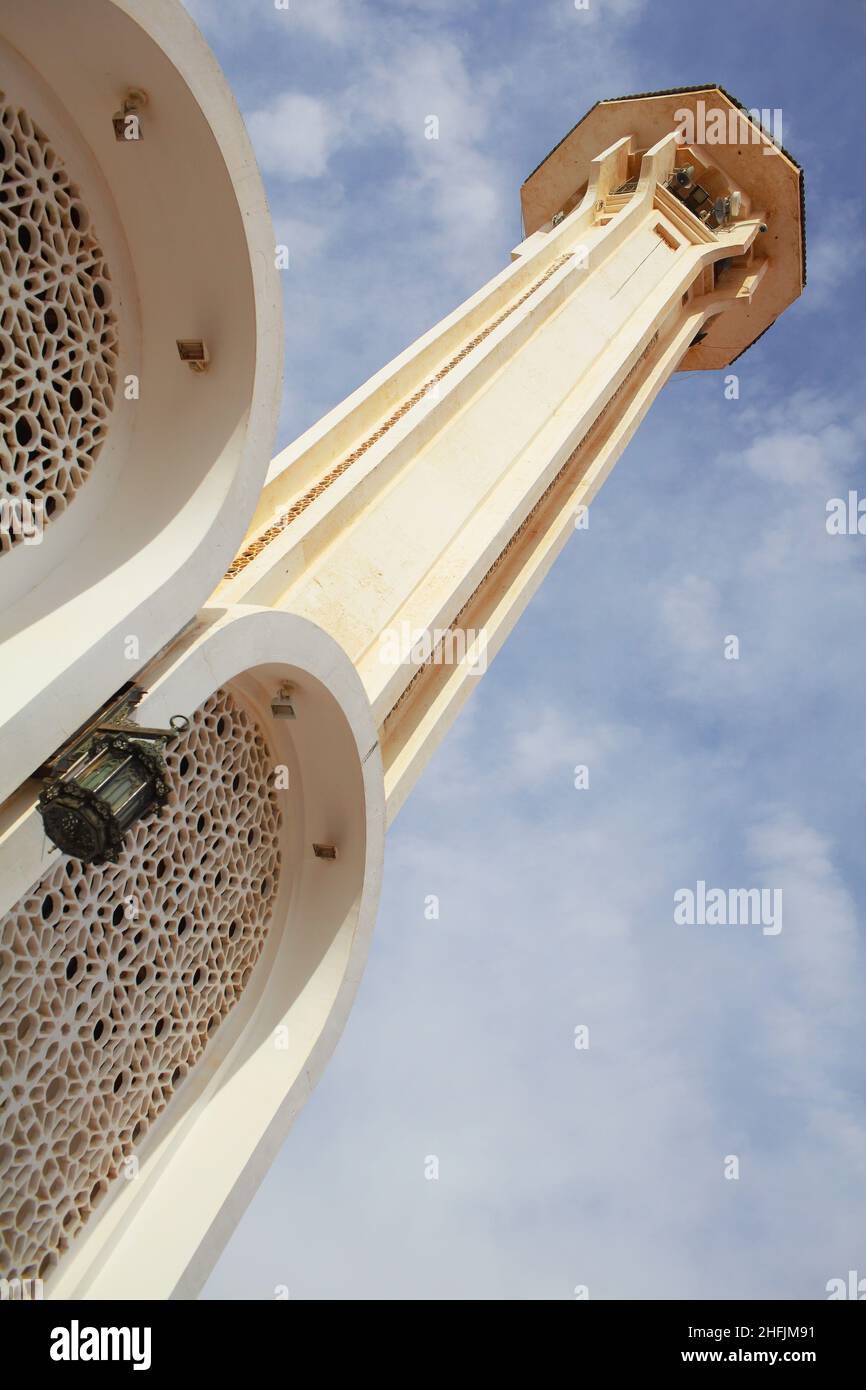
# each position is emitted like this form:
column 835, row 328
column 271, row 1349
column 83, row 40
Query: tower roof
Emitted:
column 754, row 161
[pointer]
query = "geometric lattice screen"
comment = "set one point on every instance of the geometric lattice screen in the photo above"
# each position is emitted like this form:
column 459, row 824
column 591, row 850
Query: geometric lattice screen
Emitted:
column 113, row 980
column 58, row 332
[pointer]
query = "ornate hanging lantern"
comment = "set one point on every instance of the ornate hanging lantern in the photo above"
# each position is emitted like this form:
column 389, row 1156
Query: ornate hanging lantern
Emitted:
column 110, row 775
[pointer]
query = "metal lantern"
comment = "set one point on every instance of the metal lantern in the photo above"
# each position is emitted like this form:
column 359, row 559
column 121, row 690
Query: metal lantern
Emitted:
column 107, row 778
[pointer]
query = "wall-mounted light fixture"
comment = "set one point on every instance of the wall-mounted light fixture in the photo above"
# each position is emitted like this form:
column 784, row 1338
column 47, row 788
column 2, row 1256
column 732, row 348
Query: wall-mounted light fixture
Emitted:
column 127, row 121
column 110, row 775
column 281, row 704
column 194, row 353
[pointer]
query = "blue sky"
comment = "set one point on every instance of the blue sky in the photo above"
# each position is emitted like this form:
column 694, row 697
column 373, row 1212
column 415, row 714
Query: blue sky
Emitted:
column 602, row 1167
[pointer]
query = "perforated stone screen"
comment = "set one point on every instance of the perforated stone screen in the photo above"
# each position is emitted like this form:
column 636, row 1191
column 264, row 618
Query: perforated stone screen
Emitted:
column 114, row 979
column 58, row 333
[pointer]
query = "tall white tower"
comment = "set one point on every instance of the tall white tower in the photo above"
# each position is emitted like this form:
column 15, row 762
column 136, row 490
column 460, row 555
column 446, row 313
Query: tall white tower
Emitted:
column 172, row 988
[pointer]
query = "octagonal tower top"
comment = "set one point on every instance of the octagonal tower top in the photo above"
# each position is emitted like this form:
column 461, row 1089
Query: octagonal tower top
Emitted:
column 726, row 152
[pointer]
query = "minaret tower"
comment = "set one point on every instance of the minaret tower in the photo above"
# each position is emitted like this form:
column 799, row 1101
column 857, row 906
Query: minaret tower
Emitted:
column 428, row 507
column 191, row 846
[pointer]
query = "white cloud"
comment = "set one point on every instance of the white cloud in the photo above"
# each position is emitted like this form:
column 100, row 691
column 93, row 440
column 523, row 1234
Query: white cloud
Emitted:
column 331, row 20
column 690, row 611
column 836, row 251
column 304, row 238
column 820, row 923
column 295, row 135
column 545, row 744
column 334, row 20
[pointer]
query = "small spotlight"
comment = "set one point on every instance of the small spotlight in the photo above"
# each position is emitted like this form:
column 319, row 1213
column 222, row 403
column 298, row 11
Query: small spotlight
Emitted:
column 281, row 704
column 127, row 121
column 325, row 851
column 194, row 353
